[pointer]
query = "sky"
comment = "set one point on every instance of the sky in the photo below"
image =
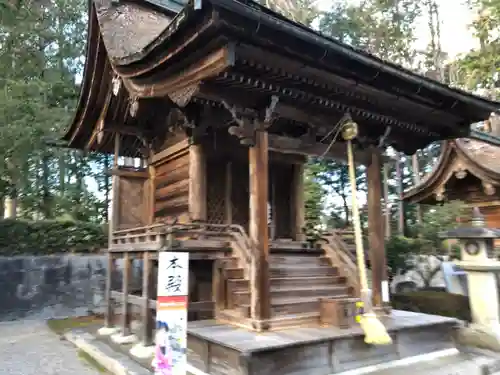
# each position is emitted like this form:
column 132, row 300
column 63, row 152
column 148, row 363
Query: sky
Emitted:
column 455, row 18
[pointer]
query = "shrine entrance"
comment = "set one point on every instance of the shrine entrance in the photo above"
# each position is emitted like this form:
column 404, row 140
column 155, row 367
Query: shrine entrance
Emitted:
column 228, row 195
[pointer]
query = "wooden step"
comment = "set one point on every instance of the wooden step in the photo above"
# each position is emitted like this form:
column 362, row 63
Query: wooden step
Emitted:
column 234, row 273
column 285, row 306
column 230, row 262
column 242, row 297
column 302, row 271
column 235, row 317
column 289, row 244
column 294, row 320
column 290, row 306
column 238, row 284
column 295, row 250
column 309, row 281
column 285, row 259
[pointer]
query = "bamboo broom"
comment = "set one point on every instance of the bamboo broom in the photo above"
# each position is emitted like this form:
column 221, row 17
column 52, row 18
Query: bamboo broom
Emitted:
column 375, row 331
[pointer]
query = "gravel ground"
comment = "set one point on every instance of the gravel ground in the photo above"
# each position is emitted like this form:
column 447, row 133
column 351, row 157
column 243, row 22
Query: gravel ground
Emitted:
column 28, row 347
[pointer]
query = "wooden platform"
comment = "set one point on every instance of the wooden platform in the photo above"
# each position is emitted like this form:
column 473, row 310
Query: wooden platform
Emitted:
column 219, row 349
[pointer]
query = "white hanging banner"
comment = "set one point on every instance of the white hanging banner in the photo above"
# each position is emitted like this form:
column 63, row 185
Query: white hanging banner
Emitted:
column 171, row 314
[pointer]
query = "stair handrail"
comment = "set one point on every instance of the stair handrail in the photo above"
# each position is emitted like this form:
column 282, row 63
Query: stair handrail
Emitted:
column 336, row 236
column 336, row 249
column 237, row 232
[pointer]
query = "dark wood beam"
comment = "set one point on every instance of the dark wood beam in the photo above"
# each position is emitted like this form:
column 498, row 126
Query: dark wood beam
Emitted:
column 336, row 83
column 338, row 151
column 321, row 120
column 128, row 173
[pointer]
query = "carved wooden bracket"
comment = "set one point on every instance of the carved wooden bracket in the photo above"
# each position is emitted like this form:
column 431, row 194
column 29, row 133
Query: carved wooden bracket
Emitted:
column 248, row 121
column 183, row 96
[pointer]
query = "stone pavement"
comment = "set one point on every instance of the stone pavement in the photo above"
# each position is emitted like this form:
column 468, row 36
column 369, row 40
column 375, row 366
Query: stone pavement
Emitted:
column 459, row 364
column 28, row 347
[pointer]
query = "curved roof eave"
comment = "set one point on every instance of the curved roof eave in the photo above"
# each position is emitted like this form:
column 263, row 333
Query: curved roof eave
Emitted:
column 434, row 178
column 454, row 150
column 294, row 32
column 483, row 159
column 88, row 72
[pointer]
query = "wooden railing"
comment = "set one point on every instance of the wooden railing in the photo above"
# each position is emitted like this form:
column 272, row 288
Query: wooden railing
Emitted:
column 336, row 249
column 156, row 237
column 163, row 236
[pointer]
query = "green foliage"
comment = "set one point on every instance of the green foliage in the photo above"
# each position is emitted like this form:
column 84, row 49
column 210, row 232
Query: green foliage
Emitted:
column 314, row 195
column 41, row 58
column 411, row 253
column 441, row 218
column 49, row 237
column 480, row 68
column 399, row 251
column 434, row 302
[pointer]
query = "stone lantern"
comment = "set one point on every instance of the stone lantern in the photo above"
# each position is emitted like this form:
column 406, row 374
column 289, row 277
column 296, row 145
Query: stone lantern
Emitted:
column 481, row 266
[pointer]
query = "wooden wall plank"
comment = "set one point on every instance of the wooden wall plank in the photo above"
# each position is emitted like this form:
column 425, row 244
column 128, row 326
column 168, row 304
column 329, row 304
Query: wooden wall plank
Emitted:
column 171, row 192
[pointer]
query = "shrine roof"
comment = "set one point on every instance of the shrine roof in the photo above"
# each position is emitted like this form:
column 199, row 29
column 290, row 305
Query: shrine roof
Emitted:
column 211, row 51
column 458, row 157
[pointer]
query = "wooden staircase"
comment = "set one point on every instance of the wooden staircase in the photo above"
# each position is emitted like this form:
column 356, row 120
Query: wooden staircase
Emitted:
column 299, row 277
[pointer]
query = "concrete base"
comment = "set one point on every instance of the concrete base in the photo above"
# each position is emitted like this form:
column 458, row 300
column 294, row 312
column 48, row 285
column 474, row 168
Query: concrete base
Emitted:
column 479, row 336
column 311, row 350
column 447, row 361
column 120, row 339
column 106, row 331
column 114, row 362
column 141, row 351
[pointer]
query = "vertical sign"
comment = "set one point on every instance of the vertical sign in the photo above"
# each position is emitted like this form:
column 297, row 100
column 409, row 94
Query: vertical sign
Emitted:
column 171, row 314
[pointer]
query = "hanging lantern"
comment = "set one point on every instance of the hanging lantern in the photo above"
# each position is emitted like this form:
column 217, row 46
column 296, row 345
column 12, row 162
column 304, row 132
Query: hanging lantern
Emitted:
column 117, row 84
column 134, row 107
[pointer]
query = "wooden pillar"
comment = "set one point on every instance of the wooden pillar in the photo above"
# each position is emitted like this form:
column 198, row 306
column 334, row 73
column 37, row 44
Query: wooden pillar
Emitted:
column 259, row 177
column 298, row 203
column 228, row 194
column 272, row 210
column 147, row 294
column 112, row 226
column 399, row 182
column 125, row 289
column 387, row 204
column 197, row 183
column 416, row 180
column 150, row 188
column 115, row 186
column 376, row 231
column 109, row 316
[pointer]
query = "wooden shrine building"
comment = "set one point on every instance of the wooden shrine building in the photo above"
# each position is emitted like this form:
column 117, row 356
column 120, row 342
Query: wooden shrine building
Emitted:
column 211, row 108
column 467, row 170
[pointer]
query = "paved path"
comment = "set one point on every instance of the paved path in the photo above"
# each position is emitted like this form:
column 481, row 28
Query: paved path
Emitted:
column 28, row 347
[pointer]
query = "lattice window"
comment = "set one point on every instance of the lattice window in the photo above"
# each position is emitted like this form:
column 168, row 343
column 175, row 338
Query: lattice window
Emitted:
column 215, row 193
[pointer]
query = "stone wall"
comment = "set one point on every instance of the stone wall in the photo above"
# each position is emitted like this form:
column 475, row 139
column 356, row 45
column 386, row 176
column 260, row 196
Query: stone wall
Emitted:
column 64, row 285
column 53, row 286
